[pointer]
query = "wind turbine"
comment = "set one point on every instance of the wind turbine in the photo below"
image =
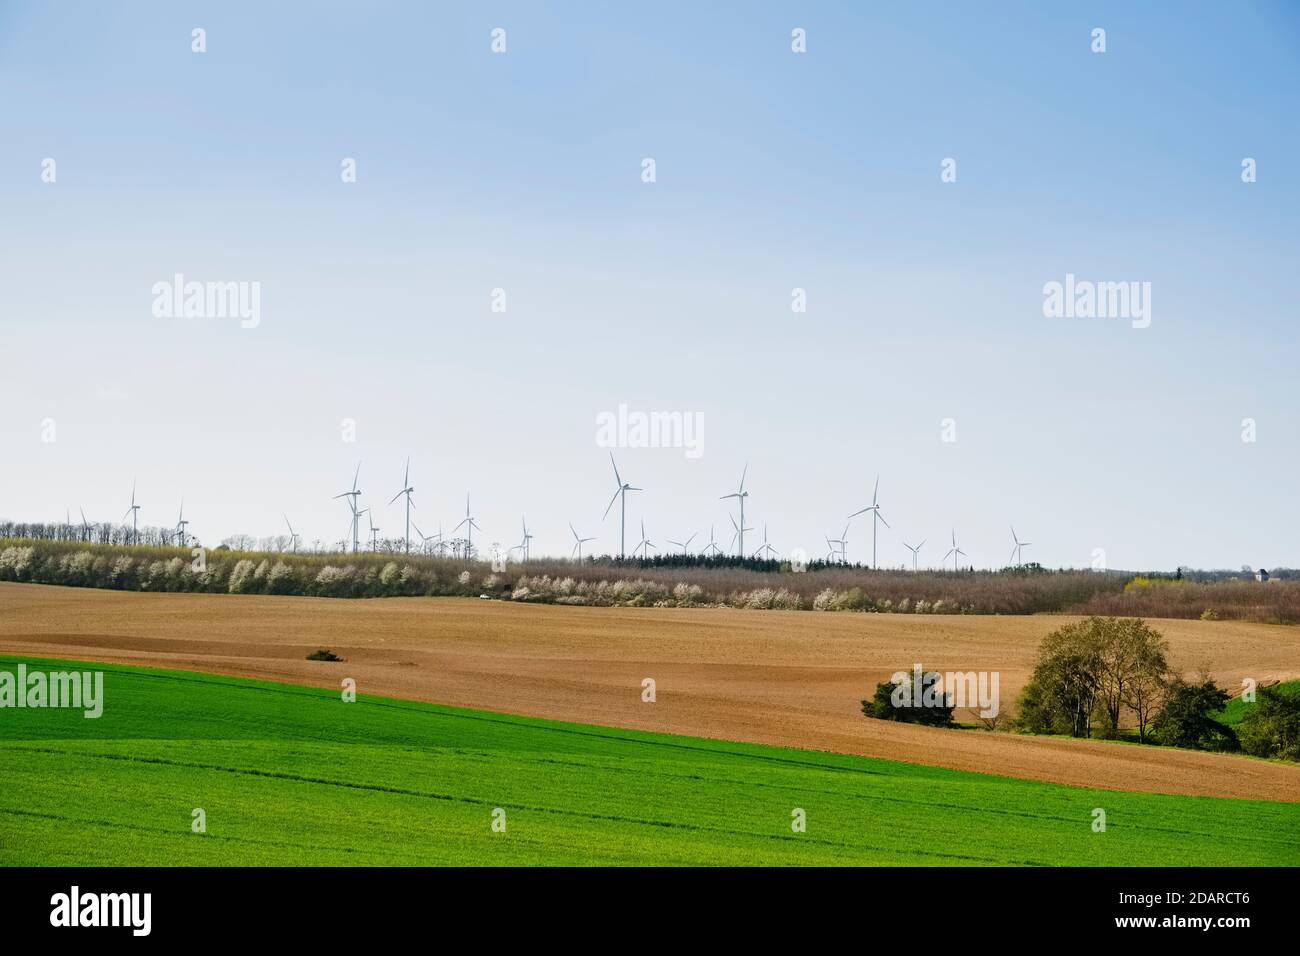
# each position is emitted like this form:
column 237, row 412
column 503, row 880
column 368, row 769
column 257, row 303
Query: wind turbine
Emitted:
column 522, row 546
column 683, row 544
column 645, row 545
column 623, row 489
column 577, row 543
column 766, row 547
column 406, row 490
column 915, row 551
column 469, row 524
column 1019, row 547
column 874, row 508
column 293, row 537
column 740, row 495
column 181, row 524
column 134, row 512
column 740, row 532
column 713, row 544
column 374, row 529
column 954, row 551
column 843, row 542
column 85, row 525
column 424, row 538
column 353, row 497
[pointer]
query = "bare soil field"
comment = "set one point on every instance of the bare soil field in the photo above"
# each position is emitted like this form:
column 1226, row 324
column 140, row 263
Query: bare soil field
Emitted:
column 790, row 678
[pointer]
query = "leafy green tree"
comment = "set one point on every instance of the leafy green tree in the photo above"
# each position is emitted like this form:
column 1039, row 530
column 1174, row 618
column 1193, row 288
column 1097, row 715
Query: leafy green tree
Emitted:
column 1272, row 727
column 1186, row 721
column 911, row 701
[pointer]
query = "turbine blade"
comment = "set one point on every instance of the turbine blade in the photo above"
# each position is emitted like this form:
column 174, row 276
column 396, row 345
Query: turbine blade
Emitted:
column 611, row 503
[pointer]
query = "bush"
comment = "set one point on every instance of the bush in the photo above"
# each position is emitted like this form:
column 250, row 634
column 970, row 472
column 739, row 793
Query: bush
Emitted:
column 1272, row 727
column 911, row 700
column 1185, row 720
column 323, row 654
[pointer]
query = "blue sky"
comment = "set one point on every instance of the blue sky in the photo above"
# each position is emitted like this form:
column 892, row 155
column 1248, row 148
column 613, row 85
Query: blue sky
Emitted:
column 775, row 170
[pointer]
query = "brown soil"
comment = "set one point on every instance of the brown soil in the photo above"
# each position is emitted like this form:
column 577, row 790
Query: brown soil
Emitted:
column 791, row 678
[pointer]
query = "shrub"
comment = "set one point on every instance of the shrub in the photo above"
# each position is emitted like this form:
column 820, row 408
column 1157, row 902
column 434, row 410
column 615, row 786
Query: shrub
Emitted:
column 911, row 700
column 1185, row 720
column 1272, row 727
column 239, row 578
column 323, row 654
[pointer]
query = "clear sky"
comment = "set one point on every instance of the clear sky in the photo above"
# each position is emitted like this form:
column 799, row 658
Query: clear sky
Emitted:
column 774, row 170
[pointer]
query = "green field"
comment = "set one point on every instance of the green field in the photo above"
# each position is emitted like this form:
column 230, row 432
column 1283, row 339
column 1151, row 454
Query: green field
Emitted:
column 293, row 775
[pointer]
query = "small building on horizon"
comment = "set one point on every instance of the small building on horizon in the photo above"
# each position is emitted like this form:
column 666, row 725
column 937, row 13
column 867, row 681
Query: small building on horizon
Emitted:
column 1261, row 575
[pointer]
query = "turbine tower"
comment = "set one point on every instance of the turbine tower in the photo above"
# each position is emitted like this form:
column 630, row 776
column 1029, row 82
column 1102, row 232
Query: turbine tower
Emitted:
column 874, row 508
column 740, row 495
column 712, row 545
column 766, row 547
column 577, row 543
column 469, row 524
column 914, row 551
column 954, row 551
column 1018, row 548
column 622, row 490
column 134, row 512
column 293, row 537
column 406, row 490
column 353, row 497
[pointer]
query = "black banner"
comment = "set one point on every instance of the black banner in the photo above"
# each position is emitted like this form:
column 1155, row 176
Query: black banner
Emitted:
column 302, row 905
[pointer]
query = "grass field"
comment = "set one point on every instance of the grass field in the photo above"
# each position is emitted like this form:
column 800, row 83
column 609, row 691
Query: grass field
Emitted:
column 293, row 775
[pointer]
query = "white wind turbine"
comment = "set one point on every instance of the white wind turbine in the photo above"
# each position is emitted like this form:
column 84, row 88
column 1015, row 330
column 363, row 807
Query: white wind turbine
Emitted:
column 683, row 544
column 915, row 551
column 644, row 545
column 954, row 551
column 577, row 542
column 522, row 546
column 766, row 547
column 353, row 497
column 181, row 525
column 293, row 536
column 406, row 490
column 712, row 546
column 1018, row 548
column 739, row 533
column 85, row 525
column 622, row 490
column 740, row 495
column 134, row 512
column 374, row 529
column 874, row 508
column 424, row 538
column 843, row 542
column 469, row 524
